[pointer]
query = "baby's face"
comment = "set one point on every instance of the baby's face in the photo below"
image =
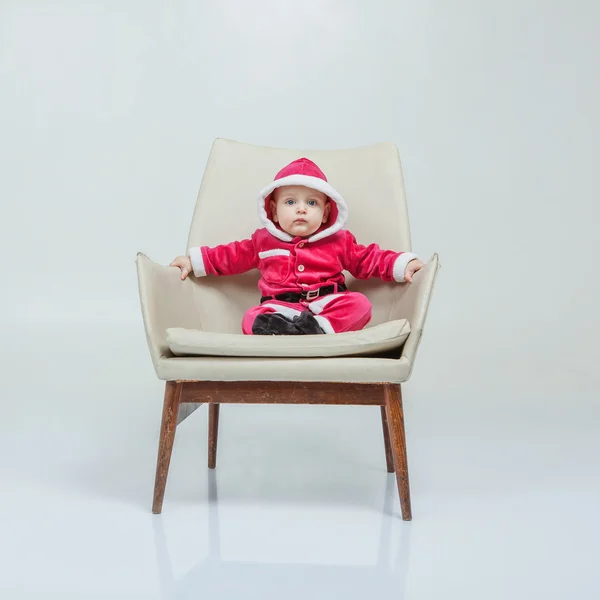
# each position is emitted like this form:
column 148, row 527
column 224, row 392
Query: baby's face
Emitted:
column 299, row 210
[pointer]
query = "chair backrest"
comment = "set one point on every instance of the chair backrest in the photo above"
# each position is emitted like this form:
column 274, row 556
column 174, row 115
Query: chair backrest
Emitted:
column 369, row 178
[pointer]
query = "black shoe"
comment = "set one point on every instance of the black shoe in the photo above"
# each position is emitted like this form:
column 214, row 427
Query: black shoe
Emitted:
column 307, row 324
column 274, row 324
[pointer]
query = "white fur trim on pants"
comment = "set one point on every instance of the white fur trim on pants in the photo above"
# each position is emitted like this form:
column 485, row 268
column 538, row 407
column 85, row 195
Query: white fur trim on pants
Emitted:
column 400, row 265
column 324, row 324
column 195, row 255
column 290, row 313
column 286, row 311
column 317, row 306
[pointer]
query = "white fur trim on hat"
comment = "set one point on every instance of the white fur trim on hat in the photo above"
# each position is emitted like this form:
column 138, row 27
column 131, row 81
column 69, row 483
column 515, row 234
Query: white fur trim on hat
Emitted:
column 400, row 265
column 314, row 183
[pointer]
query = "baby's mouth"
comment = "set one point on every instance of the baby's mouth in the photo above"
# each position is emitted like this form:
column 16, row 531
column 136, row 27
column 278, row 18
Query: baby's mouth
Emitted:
column 300, row 221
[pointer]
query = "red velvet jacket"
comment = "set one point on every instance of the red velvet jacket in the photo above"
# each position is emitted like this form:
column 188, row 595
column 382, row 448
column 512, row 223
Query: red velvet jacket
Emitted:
column 290, row 264
column 300, row 265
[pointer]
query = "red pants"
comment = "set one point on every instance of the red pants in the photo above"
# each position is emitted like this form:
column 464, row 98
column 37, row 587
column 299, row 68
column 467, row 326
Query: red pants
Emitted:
column 335, row 313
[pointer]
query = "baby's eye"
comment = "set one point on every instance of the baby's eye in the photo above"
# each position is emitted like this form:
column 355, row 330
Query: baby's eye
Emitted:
column 289, row 201
column 312, row 202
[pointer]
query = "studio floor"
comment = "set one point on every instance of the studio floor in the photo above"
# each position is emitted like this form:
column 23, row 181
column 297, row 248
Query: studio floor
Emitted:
column 504, row 480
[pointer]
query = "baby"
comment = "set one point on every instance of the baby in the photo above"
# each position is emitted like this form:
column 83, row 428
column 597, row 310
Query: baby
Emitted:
column 301, row 252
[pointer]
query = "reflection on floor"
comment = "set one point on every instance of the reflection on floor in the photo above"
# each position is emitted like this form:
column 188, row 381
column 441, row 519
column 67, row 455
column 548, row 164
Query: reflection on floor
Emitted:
column 220, row 577
column 504, row 482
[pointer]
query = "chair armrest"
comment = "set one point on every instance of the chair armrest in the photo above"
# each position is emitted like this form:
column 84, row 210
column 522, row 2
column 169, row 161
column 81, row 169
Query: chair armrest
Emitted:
column 166, row 301
column 412, row 302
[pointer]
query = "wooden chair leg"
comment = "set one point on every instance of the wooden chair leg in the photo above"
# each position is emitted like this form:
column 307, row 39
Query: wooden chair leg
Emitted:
column 213, row 434
column 165, row 446
column 395, row 417
column 389, row 459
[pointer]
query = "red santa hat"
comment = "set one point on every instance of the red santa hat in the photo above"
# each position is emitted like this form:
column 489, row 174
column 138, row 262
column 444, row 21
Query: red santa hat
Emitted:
column 303, row 171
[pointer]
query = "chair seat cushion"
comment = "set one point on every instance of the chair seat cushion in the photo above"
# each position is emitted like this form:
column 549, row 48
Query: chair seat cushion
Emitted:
column 191, row 342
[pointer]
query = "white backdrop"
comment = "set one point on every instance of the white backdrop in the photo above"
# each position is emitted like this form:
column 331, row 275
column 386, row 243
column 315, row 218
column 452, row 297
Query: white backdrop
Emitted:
column 108, row 111
column 107, row 114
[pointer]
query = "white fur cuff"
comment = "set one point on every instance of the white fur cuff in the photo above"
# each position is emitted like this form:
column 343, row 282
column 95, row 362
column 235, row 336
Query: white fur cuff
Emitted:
column 195, row 255
column 400, row 265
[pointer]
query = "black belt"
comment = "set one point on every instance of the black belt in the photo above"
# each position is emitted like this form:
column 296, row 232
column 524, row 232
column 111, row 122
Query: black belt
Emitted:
column 310, row 295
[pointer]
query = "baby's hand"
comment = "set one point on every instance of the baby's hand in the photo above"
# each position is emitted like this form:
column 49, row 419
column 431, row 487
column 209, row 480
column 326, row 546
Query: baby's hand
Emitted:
column 411, row 268
column 185, row 264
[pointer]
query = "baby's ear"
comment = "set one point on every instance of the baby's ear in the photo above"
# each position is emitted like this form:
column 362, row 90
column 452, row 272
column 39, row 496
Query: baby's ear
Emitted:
column 326, row 210
column 274, row 211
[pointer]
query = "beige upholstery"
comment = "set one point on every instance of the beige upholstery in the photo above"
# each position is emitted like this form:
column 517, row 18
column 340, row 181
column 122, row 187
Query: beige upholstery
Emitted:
column 370, row 179
column 373, row 340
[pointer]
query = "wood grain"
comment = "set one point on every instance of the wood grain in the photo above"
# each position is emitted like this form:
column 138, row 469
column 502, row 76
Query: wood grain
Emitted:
column 213, row 434
column 389, row 459
column 282, row 392
column 395, row 417
column 387, row 396
column 165, row 445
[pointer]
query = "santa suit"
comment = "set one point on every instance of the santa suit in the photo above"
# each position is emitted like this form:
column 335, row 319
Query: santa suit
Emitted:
column 299, row 274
